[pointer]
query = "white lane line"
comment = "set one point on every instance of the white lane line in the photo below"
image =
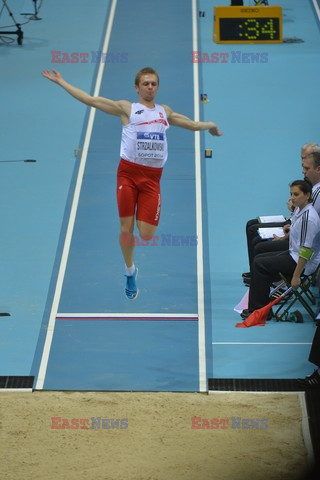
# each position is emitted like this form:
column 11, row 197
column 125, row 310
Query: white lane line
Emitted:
column 128, row 316
column 317, row 8
column 74, row 207
column 261, row 343
column 201, row 313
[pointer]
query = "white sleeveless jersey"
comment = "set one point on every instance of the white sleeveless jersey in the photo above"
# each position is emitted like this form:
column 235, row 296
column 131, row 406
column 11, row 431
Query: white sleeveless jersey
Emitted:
column 144, row 140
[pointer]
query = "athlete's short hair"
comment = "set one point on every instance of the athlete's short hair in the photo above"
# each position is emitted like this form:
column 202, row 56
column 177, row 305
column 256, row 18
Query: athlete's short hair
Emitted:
column 145, row 71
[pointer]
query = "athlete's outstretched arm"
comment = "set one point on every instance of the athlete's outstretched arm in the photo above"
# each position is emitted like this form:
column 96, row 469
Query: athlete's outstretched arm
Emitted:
column 179, row 120
column 120, row 108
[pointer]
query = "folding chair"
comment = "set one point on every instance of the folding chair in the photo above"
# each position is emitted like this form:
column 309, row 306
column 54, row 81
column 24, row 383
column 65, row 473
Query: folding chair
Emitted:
column 303, row 294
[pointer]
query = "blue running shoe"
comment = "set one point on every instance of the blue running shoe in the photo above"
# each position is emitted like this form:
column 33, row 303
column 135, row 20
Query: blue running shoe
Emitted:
column 131, row 290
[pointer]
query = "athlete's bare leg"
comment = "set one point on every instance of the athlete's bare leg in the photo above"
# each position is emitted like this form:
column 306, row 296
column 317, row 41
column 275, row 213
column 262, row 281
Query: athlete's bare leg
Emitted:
column 146, row 230
column 126, row 239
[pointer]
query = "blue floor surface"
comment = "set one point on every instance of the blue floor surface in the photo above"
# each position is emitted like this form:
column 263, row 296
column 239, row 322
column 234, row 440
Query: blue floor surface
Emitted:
column 266, row 111
column 94, row 278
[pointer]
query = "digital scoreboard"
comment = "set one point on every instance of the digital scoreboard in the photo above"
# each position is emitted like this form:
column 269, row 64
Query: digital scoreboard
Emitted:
column 247, row 24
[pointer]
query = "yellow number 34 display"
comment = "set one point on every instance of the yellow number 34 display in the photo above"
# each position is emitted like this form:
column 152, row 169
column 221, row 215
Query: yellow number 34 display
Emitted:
column 247, row 24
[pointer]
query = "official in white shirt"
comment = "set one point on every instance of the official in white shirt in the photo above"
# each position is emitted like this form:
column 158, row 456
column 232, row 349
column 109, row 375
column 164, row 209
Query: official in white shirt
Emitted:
column 303, row 255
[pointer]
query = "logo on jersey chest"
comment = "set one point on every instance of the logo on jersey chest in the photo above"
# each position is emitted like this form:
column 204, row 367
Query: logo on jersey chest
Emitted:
column 150, row 136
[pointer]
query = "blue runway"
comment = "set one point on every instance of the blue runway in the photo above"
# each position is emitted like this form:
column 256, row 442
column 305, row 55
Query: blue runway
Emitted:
column 93, row 281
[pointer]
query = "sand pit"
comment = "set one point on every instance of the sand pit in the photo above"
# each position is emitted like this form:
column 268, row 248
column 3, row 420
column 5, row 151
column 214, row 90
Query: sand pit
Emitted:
column 152, row 436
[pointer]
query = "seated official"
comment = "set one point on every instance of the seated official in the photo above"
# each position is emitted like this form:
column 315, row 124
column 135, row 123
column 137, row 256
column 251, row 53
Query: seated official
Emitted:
column 254, row 241
column 310, row 158
column 303, row 255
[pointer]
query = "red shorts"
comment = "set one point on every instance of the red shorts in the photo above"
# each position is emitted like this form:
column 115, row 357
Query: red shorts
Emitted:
column 138, row 191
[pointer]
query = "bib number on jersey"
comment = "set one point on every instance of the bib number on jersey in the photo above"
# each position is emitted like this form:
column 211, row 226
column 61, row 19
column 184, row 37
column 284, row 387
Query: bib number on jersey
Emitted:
column 150, row 145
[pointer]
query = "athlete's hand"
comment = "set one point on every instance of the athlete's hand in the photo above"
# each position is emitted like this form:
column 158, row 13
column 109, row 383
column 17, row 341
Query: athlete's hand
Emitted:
column 54, row 76
column 215, row 131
